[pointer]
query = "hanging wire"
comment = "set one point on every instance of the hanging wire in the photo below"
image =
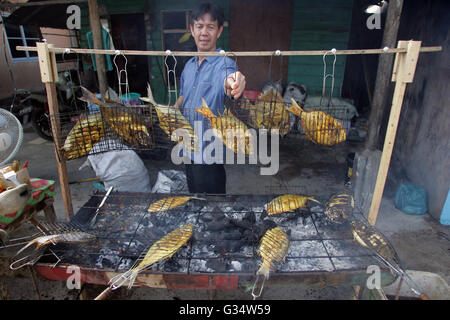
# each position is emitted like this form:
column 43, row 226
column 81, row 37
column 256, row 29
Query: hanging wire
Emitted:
column 119, row 75
column 325, row 76
column 171, row 71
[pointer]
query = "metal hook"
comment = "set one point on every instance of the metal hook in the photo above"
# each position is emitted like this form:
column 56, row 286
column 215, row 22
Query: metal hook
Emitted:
column 119, row 74
column 173, row 73
column 325, row 76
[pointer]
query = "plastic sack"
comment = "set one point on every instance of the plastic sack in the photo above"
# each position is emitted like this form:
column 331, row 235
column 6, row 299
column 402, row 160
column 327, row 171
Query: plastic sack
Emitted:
column 411, row 199
column 171, row 181
column 122, row 169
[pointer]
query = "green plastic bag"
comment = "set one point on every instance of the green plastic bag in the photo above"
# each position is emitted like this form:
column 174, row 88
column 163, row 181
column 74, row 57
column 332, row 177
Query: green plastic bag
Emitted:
column 411, row 199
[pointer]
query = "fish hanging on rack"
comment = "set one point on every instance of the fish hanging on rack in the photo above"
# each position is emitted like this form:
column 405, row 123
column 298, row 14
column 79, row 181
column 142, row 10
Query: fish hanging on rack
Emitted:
column 273, row 248
column 162, row 249
column 83, row 136
column 319, row 127
column 339, row 207
column 125, row 123
column 168, row 203
column 287, row 202
column 171, row 121
column 232, row 131
column 268, row 112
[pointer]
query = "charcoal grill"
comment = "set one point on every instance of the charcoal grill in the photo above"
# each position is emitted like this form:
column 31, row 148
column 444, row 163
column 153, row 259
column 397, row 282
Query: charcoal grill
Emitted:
column 222, row 253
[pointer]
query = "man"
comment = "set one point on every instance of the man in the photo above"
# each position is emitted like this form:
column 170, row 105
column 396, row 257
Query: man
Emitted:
column 210, row 78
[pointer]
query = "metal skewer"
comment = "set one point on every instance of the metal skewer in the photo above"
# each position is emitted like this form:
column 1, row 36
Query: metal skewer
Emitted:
column 94, row 219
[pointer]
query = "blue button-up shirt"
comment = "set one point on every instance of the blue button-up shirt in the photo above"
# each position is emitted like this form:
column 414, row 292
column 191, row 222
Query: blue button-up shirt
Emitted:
column 204, row 81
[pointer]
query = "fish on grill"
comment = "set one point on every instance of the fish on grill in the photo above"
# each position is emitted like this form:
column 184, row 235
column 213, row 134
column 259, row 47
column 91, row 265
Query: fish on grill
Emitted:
column 168, row 203
column 125, row 123
column 162, row 249
column 83, row 136
column 339, row 207
column 268, row 112
column 287, row 202
column 367, row 236
column 232, row 131
column 319, row 127
column 273, row 248
column 69, row 237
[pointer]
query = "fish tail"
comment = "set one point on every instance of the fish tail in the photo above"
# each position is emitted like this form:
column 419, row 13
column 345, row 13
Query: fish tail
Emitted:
column 295, row 108
column 149, row 98
column 205, row 110
column 90, row 97
column 312, row 199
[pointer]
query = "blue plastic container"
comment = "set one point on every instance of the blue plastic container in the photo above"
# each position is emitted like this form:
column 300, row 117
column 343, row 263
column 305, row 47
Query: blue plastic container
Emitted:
column 445, row 215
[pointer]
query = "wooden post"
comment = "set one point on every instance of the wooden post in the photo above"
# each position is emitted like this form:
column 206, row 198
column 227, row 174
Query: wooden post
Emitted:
column 47, row 65
column 403, row 73
column 96, row 28
column 379, row 101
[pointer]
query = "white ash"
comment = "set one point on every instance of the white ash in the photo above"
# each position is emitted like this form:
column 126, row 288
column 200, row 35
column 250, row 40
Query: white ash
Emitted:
column 346, row 247
column 236, row 266
column 307, row 264
column 310, row 248
column 199, row 266
column 352, row 263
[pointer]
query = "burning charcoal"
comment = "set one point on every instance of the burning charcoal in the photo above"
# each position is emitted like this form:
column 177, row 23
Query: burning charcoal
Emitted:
column 250, row 217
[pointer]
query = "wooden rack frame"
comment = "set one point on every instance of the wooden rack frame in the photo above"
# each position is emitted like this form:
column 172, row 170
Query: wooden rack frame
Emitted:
column 406, row 57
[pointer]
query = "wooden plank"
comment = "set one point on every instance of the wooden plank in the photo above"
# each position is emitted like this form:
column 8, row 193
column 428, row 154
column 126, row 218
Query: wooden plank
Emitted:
column 47, row 64
column 96, row 28
column 239, row 54
column 406, row 67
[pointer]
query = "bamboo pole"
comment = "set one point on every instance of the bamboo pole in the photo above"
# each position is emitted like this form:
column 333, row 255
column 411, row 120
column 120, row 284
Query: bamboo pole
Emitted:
column 403, row 73
column 231, row 53
column 47, row 65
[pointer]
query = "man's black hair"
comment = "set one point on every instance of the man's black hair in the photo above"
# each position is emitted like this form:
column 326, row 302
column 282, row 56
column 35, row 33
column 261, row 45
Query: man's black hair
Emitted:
column 215, row 11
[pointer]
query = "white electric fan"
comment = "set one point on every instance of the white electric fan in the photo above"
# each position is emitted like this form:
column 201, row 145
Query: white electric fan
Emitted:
column 11, row 136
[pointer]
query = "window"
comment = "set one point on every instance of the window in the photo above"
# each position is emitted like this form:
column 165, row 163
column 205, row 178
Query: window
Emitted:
column 176, row 37
column 18, row 35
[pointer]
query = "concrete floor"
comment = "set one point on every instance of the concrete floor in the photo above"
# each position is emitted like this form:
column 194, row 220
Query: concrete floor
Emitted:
column 421, row 242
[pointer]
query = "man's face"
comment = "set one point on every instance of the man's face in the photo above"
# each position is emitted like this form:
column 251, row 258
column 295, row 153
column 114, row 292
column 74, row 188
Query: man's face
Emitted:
column 205, row 32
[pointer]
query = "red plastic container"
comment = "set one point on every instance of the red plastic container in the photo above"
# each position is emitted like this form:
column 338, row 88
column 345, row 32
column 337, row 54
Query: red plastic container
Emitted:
column 252, row 94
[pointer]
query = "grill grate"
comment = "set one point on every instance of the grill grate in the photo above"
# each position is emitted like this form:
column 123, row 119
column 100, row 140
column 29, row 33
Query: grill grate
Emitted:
column 225, row 238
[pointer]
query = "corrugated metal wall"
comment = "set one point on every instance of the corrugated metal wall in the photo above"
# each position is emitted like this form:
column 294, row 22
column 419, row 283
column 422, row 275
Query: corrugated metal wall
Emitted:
column 319, row 25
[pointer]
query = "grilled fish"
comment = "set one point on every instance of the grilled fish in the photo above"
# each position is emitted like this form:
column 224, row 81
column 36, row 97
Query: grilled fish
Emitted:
column 171, row 120
column 338, row 207
column 127, row 125
column 232, row 131
column 71, row 237
column 319, row 127
column 273, row 249
column 268, row 112
column 168, row 203
column 83, row 136
column 162, row 249
column 287, row 202
column 368, row 237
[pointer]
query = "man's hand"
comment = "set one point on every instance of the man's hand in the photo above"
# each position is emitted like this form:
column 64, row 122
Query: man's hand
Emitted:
column 178, row 103
column 234, row 85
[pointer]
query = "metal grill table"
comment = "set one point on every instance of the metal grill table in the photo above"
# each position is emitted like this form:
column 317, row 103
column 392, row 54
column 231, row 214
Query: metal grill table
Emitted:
column 222, row 252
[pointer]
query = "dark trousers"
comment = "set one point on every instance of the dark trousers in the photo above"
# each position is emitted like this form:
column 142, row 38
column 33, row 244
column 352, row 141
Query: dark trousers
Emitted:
column 206, row 178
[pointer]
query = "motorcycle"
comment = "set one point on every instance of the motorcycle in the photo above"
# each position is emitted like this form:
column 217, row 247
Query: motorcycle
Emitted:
column 68, row 105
